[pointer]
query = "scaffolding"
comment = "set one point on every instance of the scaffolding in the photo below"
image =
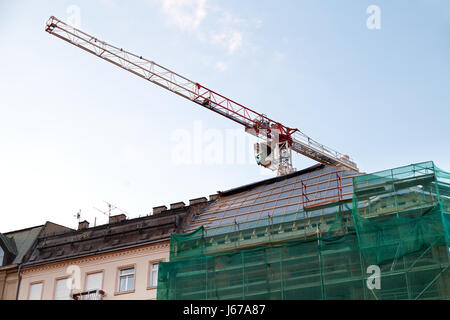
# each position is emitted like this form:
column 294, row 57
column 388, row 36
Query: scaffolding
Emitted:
column 397, row 220
column 302, row 191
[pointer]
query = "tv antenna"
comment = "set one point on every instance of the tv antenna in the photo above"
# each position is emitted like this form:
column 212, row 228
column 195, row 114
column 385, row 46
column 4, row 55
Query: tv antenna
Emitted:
column 111, row 207
column 78, row 215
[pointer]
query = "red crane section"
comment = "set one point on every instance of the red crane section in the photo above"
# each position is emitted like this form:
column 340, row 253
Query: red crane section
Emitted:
column 254, row 122
column 166, row 78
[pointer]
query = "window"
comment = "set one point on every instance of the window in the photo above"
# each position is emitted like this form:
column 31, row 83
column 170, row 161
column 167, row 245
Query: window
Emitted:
column 62, row 289
column 126, row 280
column 94, row 281
column 154, row 274
column 35, row 291
column 1, row 256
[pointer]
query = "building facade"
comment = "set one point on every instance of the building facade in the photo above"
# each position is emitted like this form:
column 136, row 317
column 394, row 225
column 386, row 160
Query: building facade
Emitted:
column 118, row 260
column 120, row 274
column 318, row 233
column 15, row 247
column 321, row 233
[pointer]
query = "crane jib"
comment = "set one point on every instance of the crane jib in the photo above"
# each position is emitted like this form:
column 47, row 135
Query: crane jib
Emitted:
column 255, row 123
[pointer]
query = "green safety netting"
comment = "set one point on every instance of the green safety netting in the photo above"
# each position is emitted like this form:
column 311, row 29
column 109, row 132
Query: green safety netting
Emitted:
column 400, row 211
column 398, row 220
column 272, row 229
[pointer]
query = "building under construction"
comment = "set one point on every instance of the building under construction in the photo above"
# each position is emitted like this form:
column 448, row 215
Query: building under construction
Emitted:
column 310, row 234
column 317, row 234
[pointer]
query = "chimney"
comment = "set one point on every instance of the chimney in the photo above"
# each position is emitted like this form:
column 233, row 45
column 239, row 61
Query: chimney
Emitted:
column 117, row 218
column 213, row 197
column 159, row 209
column 83, row 225
column 177, row 205
column 197, row 201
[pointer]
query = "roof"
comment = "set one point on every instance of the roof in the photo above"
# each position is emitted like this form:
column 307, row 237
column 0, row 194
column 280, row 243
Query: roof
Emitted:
column 111, row 237
column 22, row 240
column 294, row 193
column 269, row 181
column 8, row 244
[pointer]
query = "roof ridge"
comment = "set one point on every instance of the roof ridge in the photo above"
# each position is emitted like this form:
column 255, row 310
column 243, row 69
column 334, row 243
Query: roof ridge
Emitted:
column 270, row 180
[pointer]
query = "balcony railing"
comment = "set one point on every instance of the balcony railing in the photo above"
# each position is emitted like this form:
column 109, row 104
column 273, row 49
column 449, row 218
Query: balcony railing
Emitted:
column 89, row 295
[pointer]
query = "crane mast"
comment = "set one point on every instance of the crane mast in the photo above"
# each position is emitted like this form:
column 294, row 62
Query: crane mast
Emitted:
column 279, row 140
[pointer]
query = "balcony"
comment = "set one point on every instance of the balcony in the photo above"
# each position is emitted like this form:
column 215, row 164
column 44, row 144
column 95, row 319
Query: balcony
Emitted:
column 89, row 295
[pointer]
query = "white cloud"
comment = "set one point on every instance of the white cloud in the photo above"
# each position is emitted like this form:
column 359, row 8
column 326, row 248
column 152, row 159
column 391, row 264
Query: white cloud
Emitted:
column 185, row 14
column 235, row 41
column 230, row 39
column 221, row 66
column 230, row 33
column 222, row 29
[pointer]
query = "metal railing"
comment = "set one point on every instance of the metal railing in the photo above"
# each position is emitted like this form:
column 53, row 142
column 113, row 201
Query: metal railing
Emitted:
column 89, row 295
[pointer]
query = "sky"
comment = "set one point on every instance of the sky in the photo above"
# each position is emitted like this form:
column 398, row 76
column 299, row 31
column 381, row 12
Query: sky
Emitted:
column 370, row 79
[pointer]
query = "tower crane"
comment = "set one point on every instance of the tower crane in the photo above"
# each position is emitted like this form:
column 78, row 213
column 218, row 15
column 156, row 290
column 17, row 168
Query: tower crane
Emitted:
column 274, row 152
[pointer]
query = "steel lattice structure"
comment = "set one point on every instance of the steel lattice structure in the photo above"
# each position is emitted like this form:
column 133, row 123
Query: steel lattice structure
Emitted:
column 255, row 123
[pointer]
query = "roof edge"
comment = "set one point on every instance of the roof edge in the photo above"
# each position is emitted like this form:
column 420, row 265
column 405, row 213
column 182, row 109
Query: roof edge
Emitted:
column 270, row 180
column 22, row 230
column 31, row 264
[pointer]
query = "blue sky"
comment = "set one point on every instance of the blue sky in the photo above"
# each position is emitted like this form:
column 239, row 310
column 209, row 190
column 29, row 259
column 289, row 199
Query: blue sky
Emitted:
column 75, row 130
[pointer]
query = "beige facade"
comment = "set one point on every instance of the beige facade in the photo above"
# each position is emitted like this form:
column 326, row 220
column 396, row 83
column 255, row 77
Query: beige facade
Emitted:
column 15, row 247
column 8, row 282
column 108, row 264
column 114, row 261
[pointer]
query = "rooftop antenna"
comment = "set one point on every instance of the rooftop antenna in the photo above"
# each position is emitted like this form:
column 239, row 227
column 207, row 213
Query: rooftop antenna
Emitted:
column 111, row 207
column 78, row 215
column 106, row 213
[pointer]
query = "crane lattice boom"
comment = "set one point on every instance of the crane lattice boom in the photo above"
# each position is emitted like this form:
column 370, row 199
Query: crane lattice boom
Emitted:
column 254, row 122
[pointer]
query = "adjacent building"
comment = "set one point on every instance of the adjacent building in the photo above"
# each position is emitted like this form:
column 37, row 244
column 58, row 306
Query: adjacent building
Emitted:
column 118, row 260
column 15, row 247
